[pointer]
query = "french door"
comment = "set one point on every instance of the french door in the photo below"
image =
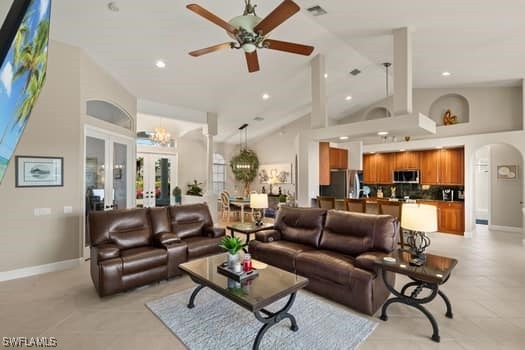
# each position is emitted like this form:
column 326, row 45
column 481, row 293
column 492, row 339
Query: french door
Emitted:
column 108, row 172
column 155, row 180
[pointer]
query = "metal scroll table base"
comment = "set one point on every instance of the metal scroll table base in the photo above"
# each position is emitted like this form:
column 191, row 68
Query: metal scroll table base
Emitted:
column 413, row 300
column 269, row 318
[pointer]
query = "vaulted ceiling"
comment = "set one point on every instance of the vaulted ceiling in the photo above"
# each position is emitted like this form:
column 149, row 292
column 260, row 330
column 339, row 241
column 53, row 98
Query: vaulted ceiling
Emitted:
column 477, row 41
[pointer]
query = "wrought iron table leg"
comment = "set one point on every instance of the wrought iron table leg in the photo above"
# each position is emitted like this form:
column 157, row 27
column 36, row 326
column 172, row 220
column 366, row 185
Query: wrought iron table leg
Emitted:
column 272, row 318
column 196, row 291
column 447, row 303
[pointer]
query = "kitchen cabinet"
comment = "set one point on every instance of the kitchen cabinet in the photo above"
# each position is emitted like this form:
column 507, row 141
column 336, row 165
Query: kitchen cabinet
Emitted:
column 406, row 160
column 451, row 217
column 429, row 162
column 384, row 167
column 324, row 163
column 451, row 166
column 338, row 158
column 369, row 169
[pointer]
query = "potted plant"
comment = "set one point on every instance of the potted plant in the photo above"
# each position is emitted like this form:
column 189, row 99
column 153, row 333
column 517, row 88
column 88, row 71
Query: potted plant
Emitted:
column 177, row 193
column 233, row 245
column 195, row 189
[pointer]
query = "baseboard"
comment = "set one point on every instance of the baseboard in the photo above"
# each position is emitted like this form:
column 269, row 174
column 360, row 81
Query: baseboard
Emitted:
column 505, row 228
column 468, row 234
column 40, row 269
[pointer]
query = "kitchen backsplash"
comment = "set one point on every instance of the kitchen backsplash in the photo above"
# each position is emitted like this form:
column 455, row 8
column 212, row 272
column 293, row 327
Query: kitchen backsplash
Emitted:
column 418, row 191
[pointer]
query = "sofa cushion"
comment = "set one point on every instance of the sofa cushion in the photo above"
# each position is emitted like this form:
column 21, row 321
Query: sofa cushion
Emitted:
column 301, row 225
column 160, row 220
column 325, row 265
column 141, row 259
column 202, row 246
column 127, row 228
column 278, row 253
column 354, row 233
column 190, row 220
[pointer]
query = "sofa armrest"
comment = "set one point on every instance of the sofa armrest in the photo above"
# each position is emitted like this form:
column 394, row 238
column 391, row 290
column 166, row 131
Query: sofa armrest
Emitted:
column 366, row 260
column 268, row 235
column 214, row 232
column 106, row 251
column 166, row 238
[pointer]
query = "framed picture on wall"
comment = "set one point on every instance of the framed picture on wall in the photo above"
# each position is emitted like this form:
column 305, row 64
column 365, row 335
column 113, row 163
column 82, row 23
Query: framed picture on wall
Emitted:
column 34, row 171
column 509, row 172
column 275, row 173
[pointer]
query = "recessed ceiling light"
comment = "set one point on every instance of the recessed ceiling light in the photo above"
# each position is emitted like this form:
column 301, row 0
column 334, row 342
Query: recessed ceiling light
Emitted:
column 382, row 133
column 265, row 96
column 372, row 152
column 439, row 147
column 355, row 72
column 112, row 6
column 402, row 150
column 326, row 75
column 446, row 74
column 348, row 98
column 160, row 64
column 343, row 138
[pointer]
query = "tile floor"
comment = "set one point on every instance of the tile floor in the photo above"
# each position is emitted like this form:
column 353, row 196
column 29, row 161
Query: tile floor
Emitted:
column 487, row 290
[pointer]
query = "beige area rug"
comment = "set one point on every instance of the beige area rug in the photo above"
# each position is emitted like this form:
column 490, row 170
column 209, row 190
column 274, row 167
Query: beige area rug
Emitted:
column 218, row 323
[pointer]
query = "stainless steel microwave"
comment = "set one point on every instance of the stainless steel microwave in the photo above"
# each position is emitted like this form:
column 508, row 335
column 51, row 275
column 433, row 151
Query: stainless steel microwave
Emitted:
column 406, row 176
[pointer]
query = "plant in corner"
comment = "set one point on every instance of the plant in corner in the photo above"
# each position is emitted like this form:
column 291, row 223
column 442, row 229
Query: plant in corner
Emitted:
column 233, row 245
column 195, row 189
column 177, row 193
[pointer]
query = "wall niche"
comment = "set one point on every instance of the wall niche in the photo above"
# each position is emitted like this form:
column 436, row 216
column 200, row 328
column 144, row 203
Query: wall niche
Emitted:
column 457, row 104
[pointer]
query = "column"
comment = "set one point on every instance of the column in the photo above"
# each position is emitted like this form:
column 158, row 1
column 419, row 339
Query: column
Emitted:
column 319, row 116
column 210, row 130
column 402, row 71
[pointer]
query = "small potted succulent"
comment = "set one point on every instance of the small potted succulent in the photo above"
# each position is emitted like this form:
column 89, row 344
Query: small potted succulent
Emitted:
column 233, row 245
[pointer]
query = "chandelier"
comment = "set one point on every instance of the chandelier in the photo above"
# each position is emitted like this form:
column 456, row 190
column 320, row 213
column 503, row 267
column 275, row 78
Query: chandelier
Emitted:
column 160, row 135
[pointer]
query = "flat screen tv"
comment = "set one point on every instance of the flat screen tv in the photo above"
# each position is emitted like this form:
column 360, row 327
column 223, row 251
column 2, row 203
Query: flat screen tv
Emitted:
column 24, row 39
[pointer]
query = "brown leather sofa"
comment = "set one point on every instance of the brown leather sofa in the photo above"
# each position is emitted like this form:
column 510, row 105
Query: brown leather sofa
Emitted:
column 334, row 249
column 135, row 247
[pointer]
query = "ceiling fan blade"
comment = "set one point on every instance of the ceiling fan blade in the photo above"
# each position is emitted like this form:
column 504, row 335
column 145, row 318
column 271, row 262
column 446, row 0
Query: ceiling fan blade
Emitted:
column 201, row 11
column 253, row 61
column 211, row 49
column 280, row 14
column 288, row 47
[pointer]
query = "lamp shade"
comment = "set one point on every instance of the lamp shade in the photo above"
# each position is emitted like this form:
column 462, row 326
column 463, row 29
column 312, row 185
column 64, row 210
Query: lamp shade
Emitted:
column 259, row 200
column 419, row 217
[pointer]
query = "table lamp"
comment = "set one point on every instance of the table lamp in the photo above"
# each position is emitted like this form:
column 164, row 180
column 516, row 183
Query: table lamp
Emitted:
column 258, row 202
column 420, row 219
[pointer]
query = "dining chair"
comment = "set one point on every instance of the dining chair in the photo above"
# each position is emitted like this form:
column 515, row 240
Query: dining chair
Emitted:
column 392, row 208
column 326, row 202
column 355, row 205
column 226, row 208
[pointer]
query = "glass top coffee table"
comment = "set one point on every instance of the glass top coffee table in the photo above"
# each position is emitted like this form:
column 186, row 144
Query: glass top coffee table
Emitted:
column 271, row 285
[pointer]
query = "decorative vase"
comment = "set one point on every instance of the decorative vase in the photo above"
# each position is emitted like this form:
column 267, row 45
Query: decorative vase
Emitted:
column 233, row 259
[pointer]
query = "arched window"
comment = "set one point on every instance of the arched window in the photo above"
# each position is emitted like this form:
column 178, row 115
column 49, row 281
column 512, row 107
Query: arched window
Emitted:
column 219, row 173
column 109, row 112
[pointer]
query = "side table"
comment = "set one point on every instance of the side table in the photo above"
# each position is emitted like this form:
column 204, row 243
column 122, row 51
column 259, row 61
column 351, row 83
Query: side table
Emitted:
column 248, row 229
column 435, row 272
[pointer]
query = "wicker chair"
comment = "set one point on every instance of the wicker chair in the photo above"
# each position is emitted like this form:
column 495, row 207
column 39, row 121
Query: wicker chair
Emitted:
column 326, row 202
column 392, row 208
column 355, row 205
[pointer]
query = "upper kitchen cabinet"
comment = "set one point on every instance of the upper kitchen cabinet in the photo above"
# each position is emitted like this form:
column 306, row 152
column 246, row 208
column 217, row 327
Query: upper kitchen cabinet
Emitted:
column 429, row 163
column 338, row 158
column 406, row 160
column 384, row 167
column 452, row 167
column 369, row 169
column 324, row 163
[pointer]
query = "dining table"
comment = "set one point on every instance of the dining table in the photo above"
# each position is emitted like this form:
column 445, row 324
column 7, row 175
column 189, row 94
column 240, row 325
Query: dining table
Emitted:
column 241, row 203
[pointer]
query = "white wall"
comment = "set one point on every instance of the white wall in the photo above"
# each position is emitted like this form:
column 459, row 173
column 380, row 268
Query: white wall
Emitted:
column 192, row 159
column 480, row 169
column 506, row 194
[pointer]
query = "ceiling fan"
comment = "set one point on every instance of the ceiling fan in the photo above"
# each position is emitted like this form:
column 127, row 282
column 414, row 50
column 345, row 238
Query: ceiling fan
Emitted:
column 251, row 31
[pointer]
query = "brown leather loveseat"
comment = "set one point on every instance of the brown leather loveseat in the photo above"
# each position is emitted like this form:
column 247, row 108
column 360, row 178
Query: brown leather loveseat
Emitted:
column 334, row 249
column 135, row 247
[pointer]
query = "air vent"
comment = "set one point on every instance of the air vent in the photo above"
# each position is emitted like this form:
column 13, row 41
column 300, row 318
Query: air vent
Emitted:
column 259, row 119
column 355, row 72
column 316, row 10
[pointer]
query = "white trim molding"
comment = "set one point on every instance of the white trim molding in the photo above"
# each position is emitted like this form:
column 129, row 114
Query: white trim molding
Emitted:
column 38, row 270
column 505, row 228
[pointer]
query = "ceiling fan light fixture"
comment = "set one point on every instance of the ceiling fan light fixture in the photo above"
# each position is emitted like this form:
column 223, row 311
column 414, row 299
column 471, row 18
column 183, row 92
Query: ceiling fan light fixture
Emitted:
column 249, row 47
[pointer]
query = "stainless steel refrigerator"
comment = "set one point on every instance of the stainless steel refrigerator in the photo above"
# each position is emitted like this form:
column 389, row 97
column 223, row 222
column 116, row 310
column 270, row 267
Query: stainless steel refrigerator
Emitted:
column 343, row 184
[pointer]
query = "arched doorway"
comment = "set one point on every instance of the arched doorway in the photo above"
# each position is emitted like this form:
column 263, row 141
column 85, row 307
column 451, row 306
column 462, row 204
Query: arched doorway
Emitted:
column 498, row 187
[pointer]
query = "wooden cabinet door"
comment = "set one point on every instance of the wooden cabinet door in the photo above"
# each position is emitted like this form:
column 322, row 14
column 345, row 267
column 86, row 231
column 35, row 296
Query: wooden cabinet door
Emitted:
column 384, row 168
column 406, row 160
column 338, row 158
column 429, row 167
column 369, row 169
column 324, row 163
column 344, row 158
column 452, row 164
column 451, row 218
